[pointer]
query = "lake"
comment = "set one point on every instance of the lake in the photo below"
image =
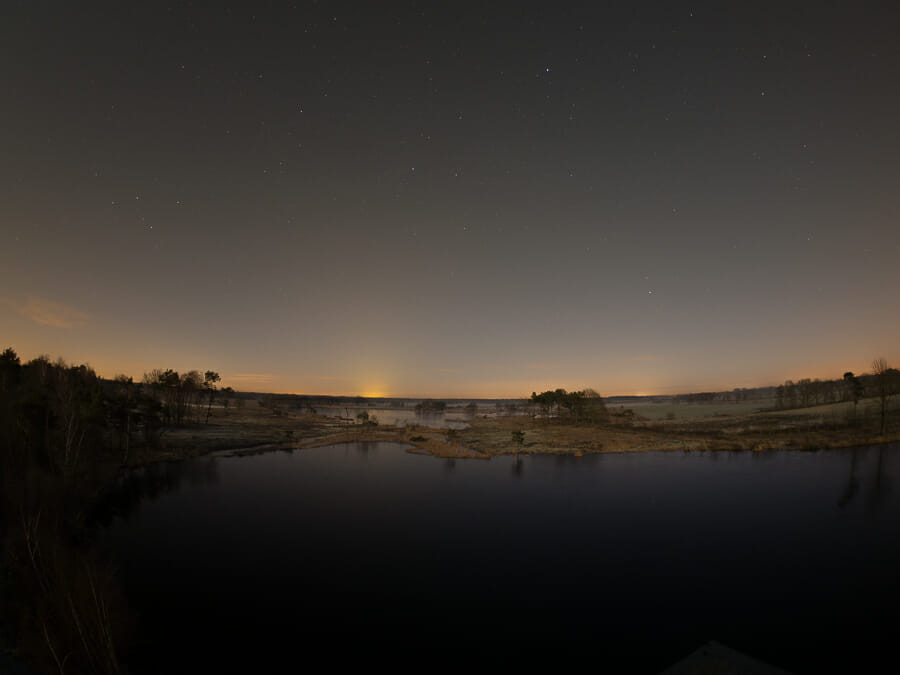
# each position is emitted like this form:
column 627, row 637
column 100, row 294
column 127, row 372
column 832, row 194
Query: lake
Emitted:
column 362, row 553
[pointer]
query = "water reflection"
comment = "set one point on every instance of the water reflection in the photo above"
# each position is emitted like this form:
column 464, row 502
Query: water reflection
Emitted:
column 852, row 483
column 788, row 556
column 149, row 483
column 881, row 486
column 517, row 466
column 877, row 486
column 365, row 447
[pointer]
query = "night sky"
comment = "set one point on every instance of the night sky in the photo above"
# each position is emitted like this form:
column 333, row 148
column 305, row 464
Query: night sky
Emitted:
column 453, row 199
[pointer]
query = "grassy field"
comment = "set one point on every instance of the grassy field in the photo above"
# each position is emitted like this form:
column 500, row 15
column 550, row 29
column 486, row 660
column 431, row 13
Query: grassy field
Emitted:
column 832, row 413
column 684, row 411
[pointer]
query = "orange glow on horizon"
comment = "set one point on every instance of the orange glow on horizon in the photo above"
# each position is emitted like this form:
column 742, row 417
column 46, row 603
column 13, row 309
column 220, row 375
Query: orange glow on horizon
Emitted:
column 263, row 378
column 374, row 394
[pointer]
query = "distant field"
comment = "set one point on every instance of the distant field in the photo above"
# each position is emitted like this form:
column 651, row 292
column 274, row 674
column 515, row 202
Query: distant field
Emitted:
column 684, row 411
column 867, row 408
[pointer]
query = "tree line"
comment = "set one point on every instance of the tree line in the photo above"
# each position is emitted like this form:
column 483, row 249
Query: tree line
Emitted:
column 736, row 395
column 61, row 411
column 808, row 392
column 64, row 431
column 881, row 383
column 430, row 406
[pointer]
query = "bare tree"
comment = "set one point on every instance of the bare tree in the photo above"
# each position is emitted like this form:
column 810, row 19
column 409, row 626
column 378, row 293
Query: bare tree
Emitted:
column 881, row 371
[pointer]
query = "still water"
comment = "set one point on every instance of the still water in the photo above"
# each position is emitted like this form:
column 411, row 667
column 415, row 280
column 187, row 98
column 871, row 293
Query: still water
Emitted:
column 361, row 553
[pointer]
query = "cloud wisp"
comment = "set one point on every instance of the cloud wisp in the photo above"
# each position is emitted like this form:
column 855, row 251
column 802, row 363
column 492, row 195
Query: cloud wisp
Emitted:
column 48, row 313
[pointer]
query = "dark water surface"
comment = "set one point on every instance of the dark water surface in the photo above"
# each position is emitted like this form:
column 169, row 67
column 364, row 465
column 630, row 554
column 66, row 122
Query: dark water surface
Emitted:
column 362, row 553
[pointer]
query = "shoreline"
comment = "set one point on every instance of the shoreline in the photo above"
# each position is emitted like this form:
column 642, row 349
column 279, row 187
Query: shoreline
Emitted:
column 255, row 432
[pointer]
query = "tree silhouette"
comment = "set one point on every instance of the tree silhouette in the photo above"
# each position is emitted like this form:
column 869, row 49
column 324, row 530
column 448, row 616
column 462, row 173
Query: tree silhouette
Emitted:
column 518, row 439
column 883, row 381
column 853, row 390
column 209, row 383
column 9, row 369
